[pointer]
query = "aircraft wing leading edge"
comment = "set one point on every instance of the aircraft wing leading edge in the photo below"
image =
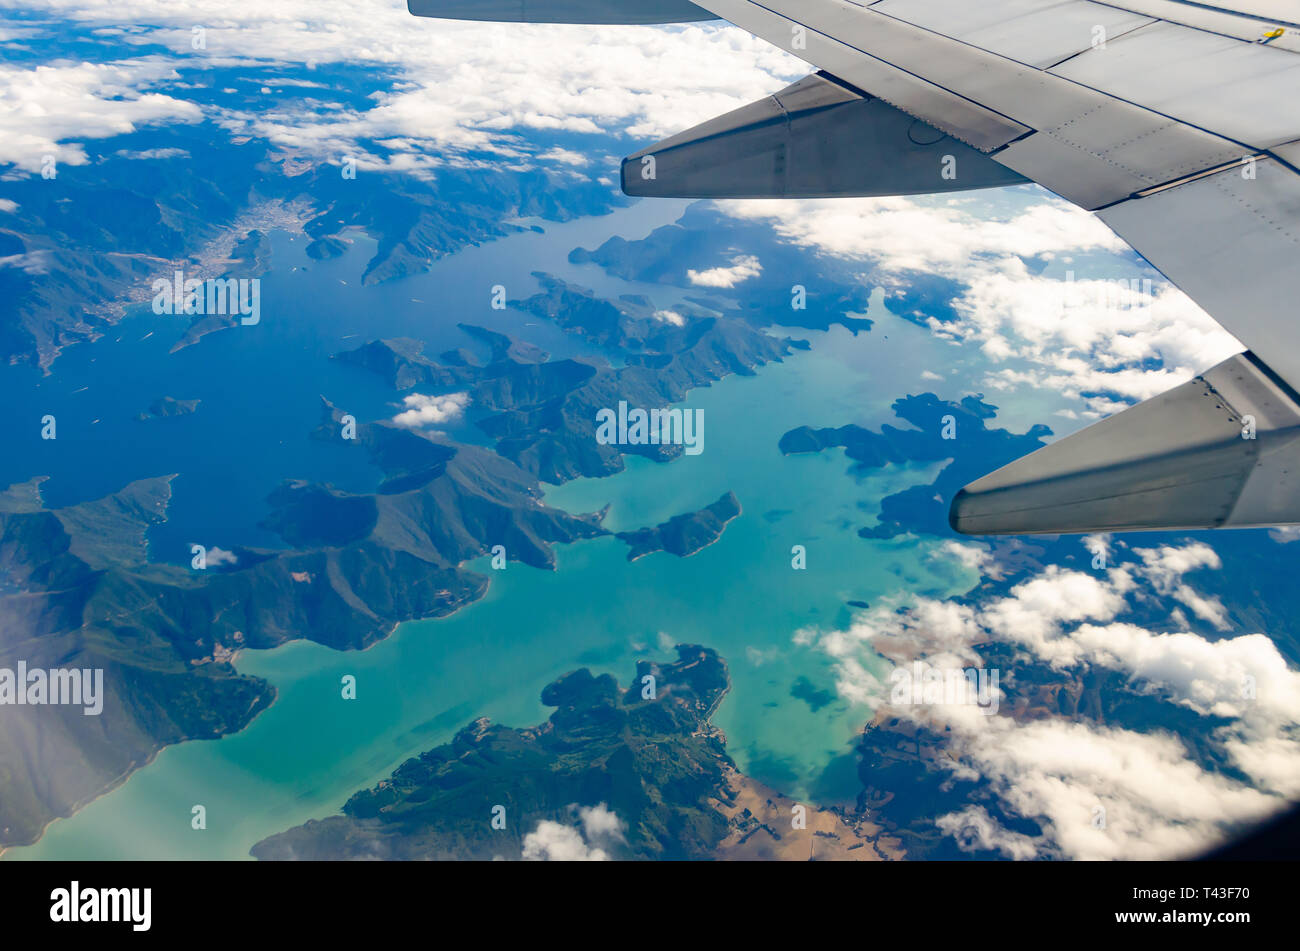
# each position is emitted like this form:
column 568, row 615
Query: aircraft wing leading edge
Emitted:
column 1172, row 121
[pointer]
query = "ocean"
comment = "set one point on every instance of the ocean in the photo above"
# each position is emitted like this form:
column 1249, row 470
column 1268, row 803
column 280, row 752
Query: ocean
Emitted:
column 785, row 723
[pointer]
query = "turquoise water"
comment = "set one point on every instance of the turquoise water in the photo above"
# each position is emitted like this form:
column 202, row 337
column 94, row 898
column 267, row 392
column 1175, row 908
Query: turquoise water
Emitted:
column 301, row 758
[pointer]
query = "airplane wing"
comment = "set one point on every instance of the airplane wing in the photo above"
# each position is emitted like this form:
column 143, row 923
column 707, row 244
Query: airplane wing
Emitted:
column 562, row 11
column 1176, row 122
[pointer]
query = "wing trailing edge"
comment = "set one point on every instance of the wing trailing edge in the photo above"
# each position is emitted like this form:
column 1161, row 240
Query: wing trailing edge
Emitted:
column 1222, row 450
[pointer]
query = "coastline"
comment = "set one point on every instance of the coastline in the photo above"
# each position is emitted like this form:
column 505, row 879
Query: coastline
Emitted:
column 120, row 780
column 130, row 771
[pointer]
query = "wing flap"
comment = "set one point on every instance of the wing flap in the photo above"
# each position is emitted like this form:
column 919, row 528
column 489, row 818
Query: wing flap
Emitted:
column 1090, row 147
column 1218, row 451
column 814, row 139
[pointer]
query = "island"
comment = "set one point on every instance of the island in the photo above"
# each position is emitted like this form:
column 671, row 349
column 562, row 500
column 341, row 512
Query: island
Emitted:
column 80, row 578
column 168, row 406
column 542, row 412
column 703, row 244
column 955, row 431
column 211, row 215
column 684, row 535
column 635, row 772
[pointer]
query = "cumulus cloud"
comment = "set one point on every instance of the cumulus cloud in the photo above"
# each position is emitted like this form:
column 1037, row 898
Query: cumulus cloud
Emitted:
column 1098, row 791
column 742, row 268
column 422, row 411
column 1164, row 568
column 600, row 824
column 552, row 841
column 974, row 829
column 1285, row 534
column 555, row 842
column 973, row 555
column 51, row 110
column 1103, row 341
column 938, row 235
column 670, row 317
column 456, row 85
column 564, row 157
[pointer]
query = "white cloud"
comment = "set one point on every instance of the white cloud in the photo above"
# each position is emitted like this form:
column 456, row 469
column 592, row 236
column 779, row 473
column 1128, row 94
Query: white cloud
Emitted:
column 931, row 234
column 151, row 154
column 51, row 110
column 1285, row 534
column 10, row 32
column 973, row 555
column 670, row 317
column 1155, row 799
column 1085, row 336
column 974, row 828
column 564, row 157
column 557, row 842
column 742, row 268
column 424, row 410
column 1035, row 612
column 459, row 85
column 1164, row 568
column 601, row 824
